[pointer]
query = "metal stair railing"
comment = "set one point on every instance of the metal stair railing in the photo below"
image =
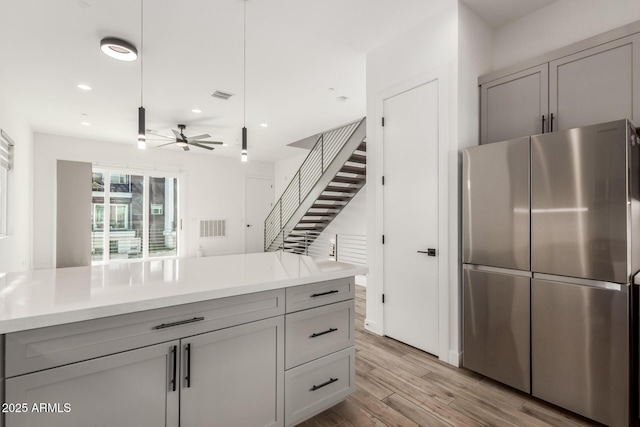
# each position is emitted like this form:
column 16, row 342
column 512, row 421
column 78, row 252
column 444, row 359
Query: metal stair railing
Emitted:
column 328, row 146
column 350, row 248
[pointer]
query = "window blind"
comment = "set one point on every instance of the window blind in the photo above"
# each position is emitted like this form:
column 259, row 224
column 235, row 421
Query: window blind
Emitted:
column 5, row 150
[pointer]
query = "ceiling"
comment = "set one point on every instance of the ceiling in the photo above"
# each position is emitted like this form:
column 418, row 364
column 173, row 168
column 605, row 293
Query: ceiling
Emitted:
column 301, row 56
column 501, row 12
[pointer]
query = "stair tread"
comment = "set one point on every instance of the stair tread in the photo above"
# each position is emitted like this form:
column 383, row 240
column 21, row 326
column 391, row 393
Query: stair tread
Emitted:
column 357, row 158
column 347, row 180
column 362, row 146
column 312, row 221
column 336, row 189
column 334, row 198
column 353, row 169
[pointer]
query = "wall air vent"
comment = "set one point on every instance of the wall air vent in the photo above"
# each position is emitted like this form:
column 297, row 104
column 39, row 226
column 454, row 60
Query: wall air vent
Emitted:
column 213, row 228
column 221, row 95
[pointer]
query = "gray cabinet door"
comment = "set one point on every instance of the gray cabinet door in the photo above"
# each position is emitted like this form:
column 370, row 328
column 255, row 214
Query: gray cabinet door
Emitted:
column 126, row 389
column 513, row 106
column 496, row 327
column 236, row 376
column 495, row 204
column 596, row 85
column 580, row 349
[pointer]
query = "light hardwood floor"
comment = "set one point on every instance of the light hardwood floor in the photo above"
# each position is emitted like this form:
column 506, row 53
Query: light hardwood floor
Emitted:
column 398, row 385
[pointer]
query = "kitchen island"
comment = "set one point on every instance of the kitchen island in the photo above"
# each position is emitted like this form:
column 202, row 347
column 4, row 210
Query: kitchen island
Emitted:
column 242, row 340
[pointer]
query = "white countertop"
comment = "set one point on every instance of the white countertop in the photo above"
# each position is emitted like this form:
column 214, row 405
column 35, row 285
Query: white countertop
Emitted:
column 40, row 298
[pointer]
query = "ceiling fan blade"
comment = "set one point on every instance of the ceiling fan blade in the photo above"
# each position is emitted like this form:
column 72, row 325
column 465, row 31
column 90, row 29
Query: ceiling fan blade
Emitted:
column 157, row 134
column 200, row 145
column 177, row 134
column 185, row 148
column 162, row 145
column 203, row 136
column 211, row 142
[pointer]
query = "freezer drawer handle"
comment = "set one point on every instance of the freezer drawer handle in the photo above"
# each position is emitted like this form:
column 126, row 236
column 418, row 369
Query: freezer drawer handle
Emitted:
column 331, row 381
column 335, row 291
column 430, row 252
column 181, row 322
column 328, row 331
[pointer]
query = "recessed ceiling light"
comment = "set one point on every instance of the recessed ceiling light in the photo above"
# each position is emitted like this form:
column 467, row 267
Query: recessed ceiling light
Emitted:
column 118, row 49
column 197, row 110
column 331, row 89
column 85, row 123
column 341, row 98
column 84, row 86
column 264, row 125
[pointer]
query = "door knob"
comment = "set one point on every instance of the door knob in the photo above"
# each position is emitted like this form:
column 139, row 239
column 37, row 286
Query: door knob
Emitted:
column 429, row 252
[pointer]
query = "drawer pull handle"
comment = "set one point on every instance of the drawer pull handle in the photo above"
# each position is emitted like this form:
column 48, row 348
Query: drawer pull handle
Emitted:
column 328, row 331
column 181, row 322
column 316, row 387
column 325, row 293
column 174, row 359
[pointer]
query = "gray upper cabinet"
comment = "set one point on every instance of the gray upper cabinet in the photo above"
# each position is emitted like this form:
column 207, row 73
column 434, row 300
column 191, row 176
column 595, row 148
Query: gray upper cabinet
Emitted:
column 514, row 106
column 593, row 81
column 596, row 85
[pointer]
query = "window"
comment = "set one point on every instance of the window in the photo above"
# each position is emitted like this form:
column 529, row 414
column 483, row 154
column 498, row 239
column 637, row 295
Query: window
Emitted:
column 6, row 145
column 142, row 216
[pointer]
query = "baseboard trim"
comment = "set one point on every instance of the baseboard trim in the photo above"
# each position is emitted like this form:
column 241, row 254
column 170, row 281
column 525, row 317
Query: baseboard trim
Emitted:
column 455, row 358
column 372, row 327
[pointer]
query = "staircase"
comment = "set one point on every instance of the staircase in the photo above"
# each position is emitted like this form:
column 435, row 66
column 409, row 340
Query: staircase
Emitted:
column 330, row 176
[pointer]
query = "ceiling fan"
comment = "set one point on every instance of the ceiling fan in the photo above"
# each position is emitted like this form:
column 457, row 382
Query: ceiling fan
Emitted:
column 186, row 141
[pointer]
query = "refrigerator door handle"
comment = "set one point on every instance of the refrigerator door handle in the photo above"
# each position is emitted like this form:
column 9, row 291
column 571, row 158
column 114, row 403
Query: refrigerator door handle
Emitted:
column 543, row 120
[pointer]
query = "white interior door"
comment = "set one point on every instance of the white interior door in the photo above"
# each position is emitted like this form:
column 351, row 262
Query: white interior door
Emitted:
column 410, row 141
column 258, row 204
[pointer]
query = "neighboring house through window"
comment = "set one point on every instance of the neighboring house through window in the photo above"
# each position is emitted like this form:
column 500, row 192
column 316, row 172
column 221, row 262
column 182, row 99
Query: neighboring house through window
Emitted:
column 142, row 216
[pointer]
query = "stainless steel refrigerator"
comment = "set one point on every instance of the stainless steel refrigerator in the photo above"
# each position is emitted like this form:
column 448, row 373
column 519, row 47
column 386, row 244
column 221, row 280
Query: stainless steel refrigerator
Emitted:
column 551, row 242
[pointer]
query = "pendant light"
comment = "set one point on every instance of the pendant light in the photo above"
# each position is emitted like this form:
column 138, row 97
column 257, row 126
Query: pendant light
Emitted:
column 244, row 86
column 142, row 139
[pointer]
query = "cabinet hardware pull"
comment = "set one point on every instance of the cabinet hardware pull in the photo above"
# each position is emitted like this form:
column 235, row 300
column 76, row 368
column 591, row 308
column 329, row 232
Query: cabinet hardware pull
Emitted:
column 325, row 293
column 543, row 120
column 187, row 376
column 174, row 358
column 551, row 122
column 181, row 322
column 316, row 387
column 328, row 331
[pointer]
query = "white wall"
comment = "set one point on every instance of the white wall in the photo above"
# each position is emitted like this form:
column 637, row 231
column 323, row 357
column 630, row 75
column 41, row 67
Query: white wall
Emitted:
column 15, row 249
column 428, row 49
column 214, row 188
column 475, row 47
column 559, row 24
column 283, row 170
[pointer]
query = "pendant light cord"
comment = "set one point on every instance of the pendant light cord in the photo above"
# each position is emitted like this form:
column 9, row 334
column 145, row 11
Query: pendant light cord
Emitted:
column 141, row 49
column 244, row 67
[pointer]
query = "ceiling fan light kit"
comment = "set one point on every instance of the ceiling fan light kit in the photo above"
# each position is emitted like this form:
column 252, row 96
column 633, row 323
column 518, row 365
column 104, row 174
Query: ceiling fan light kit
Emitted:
column 118, row 49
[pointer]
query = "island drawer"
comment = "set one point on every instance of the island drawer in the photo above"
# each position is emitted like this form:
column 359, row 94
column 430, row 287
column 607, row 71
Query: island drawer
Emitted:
column 43, row 348
column 314, row 333
column 317, row 385
column 320, row 293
